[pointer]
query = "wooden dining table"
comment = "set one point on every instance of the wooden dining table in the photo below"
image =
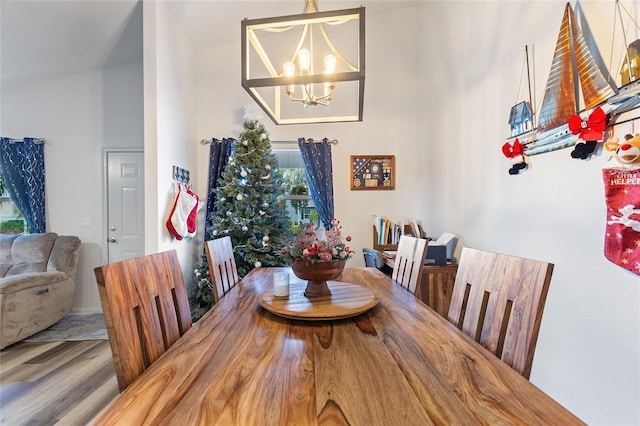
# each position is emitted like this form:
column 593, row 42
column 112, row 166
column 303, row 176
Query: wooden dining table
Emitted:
column 399, row 363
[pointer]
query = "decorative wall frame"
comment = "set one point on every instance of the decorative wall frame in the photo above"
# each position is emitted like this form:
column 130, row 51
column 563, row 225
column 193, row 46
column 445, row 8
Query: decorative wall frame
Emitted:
column 373, row 172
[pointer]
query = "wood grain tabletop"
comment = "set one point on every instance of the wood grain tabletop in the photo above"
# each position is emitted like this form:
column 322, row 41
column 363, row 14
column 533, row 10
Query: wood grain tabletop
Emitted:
column 399, row 363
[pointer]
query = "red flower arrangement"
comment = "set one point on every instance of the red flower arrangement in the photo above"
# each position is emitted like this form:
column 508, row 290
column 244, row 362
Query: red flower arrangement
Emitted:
column 308, row 245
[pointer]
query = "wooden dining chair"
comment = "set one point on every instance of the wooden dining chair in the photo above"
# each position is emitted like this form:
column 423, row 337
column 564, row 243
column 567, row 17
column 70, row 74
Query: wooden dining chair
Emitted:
column 498, row 300
column 146, row 310
column 409, row 262
column 222, row 266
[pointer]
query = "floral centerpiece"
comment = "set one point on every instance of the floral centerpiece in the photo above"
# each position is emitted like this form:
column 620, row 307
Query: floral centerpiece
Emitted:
column 316, row 257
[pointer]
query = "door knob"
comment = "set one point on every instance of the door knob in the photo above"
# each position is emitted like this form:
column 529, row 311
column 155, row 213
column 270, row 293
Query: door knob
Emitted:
column 113, row 240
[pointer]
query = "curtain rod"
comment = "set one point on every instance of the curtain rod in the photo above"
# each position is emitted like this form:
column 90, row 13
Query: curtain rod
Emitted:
column 332, row 141
column 212, row 140
column 37, row 141
column 309, row 140
column 216, row 140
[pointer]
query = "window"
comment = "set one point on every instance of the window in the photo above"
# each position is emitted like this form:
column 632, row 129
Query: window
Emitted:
column 11, row 220
column 300, row 206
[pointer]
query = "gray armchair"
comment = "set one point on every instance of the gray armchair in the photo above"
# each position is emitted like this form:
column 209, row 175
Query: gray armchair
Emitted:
column 37, row 286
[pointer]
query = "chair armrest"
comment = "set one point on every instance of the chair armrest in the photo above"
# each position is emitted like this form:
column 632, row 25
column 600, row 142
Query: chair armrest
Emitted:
column 13, row 283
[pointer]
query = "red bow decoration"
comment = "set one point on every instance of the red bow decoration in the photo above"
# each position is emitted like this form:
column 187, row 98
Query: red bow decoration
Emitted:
column 591, row 129
column 512, row 151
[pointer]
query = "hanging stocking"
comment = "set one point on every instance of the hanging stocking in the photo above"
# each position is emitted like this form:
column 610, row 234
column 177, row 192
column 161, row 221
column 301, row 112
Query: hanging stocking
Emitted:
column 177, row 222
column 193, row 215
column 170, row 227
column 622, row 236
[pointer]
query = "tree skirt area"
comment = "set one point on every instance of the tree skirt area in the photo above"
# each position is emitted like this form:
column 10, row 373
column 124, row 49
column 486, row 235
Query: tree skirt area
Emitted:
column 72, row 328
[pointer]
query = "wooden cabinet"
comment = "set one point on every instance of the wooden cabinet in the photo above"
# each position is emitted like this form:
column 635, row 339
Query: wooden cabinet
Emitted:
column 436, row 287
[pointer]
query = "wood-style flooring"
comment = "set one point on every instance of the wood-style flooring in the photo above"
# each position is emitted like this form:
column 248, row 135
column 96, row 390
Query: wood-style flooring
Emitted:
column 64, row 383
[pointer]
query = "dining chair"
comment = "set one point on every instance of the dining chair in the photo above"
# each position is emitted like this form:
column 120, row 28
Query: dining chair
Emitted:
column 409, row 262
column 372, row 258
column 222, row 266
column 146, row 310
column 498, row 300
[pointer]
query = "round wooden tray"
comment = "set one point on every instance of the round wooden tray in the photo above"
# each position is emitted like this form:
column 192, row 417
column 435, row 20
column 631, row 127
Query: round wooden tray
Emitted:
column 346, row 300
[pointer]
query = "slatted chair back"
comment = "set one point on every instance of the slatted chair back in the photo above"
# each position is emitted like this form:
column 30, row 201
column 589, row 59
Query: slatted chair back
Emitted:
column 409, row 262
column 498, row 300
column 146, row 310
column 222, row 266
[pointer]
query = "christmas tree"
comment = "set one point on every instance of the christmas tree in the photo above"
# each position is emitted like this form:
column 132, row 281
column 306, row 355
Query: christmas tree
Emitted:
column 249, row 208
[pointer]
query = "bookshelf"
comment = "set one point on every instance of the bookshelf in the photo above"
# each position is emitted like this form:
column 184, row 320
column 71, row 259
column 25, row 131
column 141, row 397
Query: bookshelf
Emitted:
column 383, row 247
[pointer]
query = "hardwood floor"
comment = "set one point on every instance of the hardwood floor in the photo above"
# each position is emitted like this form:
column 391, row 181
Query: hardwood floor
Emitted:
column 65, row 383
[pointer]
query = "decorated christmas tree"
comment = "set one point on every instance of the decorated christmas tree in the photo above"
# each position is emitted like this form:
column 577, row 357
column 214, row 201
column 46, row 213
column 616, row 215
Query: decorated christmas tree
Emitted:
column 249, row 208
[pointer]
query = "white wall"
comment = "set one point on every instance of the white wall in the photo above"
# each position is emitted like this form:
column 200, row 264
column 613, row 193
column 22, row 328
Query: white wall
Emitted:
column 170, row 126
column 79, row 115
column 588, row 352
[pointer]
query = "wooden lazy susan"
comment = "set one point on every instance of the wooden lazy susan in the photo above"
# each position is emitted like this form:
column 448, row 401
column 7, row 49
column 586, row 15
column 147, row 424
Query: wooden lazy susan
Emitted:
column 346, row 300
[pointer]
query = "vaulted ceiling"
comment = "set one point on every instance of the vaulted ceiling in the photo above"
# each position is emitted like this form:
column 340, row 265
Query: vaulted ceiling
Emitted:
column 46, row 38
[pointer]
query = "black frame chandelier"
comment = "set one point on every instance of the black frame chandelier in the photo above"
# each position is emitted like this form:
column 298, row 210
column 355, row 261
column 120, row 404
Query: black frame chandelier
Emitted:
column 306, row 68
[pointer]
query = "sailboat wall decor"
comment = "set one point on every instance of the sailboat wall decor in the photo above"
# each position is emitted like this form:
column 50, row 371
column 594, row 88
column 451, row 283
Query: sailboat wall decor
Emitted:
column 572, row 60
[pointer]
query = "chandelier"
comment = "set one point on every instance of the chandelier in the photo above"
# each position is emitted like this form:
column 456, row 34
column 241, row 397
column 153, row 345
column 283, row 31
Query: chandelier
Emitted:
column 306, row 68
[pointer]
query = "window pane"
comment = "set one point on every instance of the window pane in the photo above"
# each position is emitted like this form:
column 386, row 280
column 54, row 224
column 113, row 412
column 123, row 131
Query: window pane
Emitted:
column 11, row 220
column 300, row 206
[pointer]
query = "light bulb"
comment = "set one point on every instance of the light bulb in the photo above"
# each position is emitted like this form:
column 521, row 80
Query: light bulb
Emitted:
column 304, row 59
column 329, row 64
column 327, row 89
column 289, row 69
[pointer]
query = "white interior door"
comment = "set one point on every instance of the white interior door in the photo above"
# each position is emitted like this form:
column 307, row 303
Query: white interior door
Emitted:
column 125, row 189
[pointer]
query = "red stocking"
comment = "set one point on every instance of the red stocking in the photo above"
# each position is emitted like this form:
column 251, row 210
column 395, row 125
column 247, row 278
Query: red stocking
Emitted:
column 622, row 237
column 177, row 222
column 193, row 215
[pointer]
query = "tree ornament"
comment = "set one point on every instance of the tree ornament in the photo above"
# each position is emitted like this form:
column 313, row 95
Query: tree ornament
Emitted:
column 229, row 213
column 258, row 264
column 243, row 173
column 265, row 205
column 215, row 232
column 263, row 136
column 244, row 228
column 245, row 143
column 262, row 212
column 239, row 197
column 268, row 167
column 265, row 238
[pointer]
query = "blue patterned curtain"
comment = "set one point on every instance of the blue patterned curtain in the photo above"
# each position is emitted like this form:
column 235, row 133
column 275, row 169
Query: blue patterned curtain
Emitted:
column 318, row 168
column 219, row 152
column 22, row 166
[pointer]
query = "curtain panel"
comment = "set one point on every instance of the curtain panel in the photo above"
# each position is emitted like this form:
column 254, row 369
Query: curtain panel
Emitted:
column 316, row 157
column 22, row 166
column 219, row 153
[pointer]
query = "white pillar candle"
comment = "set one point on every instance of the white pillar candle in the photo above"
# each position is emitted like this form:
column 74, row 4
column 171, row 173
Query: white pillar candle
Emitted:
column 281, row 284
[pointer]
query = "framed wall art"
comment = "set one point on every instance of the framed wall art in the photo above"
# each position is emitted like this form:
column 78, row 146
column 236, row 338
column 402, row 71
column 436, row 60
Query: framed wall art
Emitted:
column 372, row 172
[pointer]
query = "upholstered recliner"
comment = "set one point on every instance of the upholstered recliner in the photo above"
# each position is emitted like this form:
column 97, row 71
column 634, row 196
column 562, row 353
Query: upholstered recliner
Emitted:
column 37, row 286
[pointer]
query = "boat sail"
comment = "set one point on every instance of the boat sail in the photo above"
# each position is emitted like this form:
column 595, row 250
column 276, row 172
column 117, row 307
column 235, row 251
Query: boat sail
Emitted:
column 572, row 59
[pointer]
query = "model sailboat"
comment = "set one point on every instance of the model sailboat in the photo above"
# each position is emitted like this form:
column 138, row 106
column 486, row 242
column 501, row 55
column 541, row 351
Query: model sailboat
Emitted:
column 572, row 60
